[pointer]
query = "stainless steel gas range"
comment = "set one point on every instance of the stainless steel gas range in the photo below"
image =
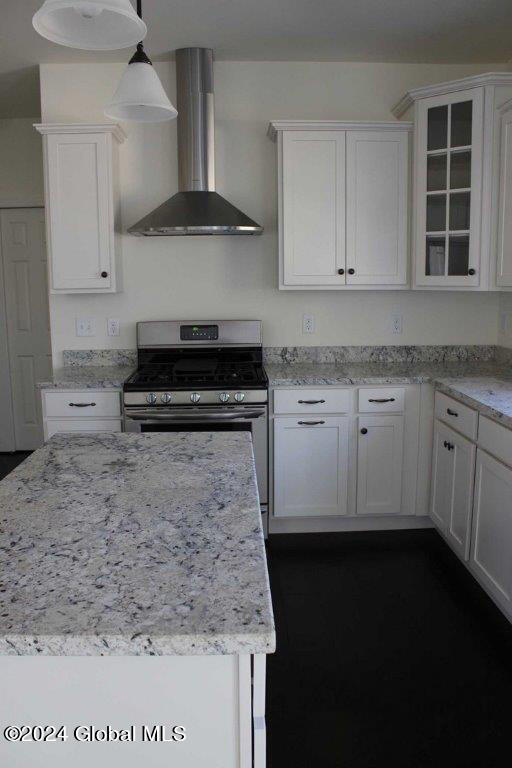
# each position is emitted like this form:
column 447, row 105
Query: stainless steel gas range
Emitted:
column 201, row 376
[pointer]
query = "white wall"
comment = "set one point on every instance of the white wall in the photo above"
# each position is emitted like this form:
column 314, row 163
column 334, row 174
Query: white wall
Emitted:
column 233, row 277
column 21, row 164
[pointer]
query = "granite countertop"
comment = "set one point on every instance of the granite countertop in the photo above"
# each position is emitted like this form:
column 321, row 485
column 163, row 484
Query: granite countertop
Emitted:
column 485, row 386
column 88, row 377
column 127, row 544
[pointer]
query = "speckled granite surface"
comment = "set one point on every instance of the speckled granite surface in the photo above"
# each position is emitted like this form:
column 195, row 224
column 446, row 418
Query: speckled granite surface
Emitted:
column 123, row 544
column 389, row 354
column 311, row 374
column 115, row 357
column 87, row 377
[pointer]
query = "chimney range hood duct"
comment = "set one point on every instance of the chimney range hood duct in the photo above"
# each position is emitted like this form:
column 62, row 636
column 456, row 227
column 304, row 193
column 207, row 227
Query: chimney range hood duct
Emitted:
column 197, row 209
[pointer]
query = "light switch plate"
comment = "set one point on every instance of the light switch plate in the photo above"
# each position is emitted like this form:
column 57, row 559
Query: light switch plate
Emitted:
column 397, row 323
column 85, row 326
column 113, row 326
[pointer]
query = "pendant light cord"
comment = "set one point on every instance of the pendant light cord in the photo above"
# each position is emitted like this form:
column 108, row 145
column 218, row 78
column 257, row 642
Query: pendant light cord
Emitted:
column 139, row 8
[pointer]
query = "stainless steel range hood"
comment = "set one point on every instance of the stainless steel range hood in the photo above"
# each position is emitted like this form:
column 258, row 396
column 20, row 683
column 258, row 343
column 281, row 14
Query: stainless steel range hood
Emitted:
column 197, row 209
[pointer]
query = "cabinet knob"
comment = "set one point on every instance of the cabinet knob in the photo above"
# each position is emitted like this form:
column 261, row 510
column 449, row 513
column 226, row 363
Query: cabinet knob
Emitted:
column 341, row 271
column 351, row 271
column 104, row 274
column 471, row 271
column 364, row 431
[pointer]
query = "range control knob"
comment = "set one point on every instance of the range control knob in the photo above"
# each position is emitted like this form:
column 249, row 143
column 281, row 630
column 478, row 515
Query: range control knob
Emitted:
column 195, row 397
column 240, row 397
column 151, row 398
column 224, row 397
column 166, row 398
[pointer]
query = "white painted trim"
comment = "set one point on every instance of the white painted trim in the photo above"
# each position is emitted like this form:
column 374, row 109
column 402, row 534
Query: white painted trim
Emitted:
column 258, row 711
column 48, row 128
column 275, row 126
column 474, row 81
column 244, row 711
column 342, row 524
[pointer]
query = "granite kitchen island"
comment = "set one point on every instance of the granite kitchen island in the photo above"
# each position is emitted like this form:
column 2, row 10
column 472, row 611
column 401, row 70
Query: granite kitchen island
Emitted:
column 134, row 587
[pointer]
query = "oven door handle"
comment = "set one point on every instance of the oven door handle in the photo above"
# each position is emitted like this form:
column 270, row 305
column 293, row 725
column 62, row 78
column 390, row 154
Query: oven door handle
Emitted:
column 184, row 416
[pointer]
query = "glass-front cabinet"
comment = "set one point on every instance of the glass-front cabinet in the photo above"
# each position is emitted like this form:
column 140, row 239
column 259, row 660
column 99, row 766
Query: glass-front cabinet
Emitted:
column 448, row 189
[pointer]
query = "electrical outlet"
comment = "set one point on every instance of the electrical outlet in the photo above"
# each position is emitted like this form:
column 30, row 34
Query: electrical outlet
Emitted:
column 113, row 326
column 308, row 324
column 397, row 323
column 503, row 322
column 85, row 326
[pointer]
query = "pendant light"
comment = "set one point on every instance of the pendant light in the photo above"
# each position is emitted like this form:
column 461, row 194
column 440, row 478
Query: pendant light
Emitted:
column 92, row 25
column 140, row 96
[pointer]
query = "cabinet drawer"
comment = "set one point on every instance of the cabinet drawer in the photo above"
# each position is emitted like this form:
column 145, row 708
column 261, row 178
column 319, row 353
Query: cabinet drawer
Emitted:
column 495, row 439
column 388, row 400
column 458, row 416
column 82, row 403
column 313, row 400
column 57, row 426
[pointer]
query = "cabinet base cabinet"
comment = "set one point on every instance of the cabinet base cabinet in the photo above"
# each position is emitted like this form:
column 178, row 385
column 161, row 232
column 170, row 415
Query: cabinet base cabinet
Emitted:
column 310, row 466
column 379, row 465
column 453, row 471
column 491, row 548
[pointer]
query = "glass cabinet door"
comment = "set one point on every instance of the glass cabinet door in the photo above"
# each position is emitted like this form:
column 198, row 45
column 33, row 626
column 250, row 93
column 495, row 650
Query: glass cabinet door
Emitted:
column 448, row 186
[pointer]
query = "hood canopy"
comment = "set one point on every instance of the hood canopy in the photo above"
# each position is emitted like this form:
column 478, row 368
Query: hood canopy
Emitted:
column 197, row 209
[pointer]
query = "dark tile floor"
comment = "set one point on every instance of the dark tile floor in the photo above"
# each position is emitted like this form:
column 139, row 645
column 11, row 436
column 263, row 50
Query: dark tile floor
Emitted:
column 389, row 654
column 8, row 461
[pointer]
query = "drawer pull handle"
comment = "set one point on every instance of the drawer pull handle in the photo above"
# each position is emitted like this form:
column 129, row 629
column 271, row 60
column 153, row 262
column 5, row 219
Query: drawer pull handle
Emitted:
column 310, row 402
column 381, row 400
column 311, row 423
column 82, row 405
column 450, row 412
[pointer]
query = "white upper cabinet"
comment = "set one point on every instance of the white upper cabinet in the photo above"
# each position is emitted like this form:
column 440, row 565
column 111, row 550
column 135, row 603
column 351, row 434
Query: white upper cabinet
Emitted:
column 343, row 204
column 82, row 207
column 456, row 183
column 313, row 207
column 448, row 176
column 377, row 170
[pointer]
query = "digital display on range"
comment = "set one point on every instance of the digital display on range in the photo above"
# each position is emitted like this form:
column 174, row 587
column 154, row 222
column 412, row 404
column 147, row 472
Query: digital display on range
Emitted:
column 199, row 332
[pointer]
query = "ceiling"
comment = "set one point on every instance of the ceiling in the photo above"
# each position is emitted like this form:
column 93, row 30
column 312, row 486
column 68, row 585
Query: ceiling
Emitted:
column 285, row 30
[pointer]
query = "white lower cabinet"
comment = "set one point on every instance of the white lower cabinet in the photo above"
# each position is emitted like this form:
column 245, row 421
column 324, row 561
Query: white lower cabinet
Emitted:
column 379, row 465
column 81, row 411
column 310, row 466
column 491, row 547
column 453, row 472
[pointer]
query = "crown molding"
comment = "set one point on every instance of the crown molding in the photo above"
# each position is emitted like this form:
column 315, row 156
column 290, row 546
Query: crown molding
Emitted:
column 334, row 125
column 474, row 81
column 52, row 128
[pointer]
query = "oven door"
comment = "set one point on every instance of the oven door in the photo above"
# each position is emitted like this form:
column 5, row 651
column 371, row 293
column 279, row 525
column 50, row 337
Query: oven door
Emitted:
column 246, row 418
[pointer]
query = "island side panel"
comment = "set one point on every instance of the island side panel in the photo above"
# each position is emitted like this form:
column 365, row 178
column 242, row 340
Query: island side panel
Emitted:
column 209, row 695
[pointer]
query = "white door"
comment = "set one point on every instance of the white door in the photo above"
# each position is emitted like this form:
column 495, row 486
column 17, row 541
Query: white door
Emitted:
column 313, row 184
column 79, row 207
column 491, row 546
column 442, row 477
column 310, row 466
column 458, row 531
column 379, row 465
column 504, row 266
column 377, row 221
column 26, row 301
column 448, row 189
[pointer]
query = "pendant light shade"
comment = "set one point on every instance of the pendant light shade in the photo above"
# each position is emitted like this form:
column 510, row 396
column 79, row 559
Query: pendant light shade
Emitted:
column 92, row 25
column 140, row 96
